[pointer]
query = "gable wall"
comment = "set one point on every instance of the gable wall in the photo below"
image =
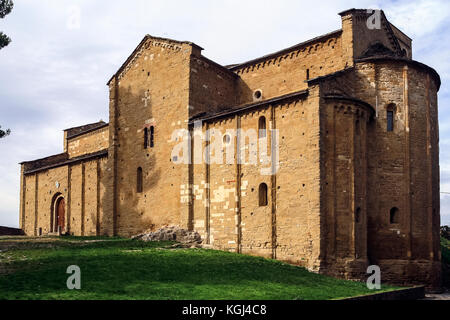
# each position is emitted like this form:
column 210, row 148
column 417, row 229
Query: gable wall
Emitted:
column 404, row 41
column 364, row 37
column 160, row 71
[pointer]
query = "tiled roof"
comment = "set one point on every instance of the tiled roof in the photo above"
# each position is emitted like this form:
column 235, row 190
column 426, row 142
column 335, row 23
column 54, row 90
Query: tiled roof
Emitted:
column 76, row 131
column 59, row 160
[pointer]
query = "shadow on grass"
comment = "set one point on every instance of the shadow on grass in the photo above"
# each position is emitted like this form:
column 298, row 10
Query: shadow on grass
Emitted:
column 148, row 270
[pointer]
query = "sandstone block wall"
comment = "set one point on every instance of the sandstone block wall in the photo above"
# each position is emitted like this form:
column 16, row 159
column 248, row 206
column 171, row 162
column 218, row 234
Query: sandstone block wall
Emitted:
column 211, row 88
column 380, row 31
column 142, row 97
column 82, row 188
column 88, row 143
column 401, row 171
column 287, row 72
column 340, row 171
column 344, row 185
column 226, row 209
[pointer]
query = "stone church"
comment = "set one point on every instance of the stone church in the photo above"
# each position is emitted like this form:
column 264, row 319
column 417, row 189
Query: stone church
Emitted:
column 350, row 123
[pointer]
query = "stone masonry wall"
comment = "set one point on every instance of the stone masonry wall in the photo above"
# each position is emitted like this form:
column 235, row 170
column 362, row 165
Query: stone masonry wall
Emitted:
column 344, row 187
column 402, row 167
column 226, row 210
column 81, row 185
column 287, row 73
column 88, row 143
column 340, row 173
column 143, row 98
column 363, row 36
column 212, row 87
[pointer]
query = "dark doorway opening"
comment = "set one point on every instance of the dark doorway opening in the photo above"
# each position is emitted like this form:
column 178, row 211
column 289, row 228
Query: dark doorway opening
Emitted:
column 60, row 213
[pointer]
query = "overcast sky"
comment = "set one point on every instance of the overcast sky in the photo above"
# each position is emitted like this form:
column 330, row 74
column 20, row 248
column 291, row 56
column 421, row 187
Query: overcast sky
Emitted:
column 53, row 75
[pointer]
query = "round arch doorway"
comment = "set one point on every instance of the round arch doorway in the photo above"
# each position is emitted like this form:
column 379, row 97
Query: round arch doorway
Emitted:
column 59, row 215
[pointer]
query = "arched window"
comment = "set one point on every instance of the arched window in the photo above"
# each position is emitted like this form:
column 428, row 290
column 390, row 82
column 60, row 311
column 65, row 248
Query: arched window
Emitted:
column 358, row 215
column 394, row 215
column 139, row 180
column 390, row 109
column 145, row 138
column 263, row 195
column 262, row 127
column 152, row 137
column 390, row 120
column 226, row 139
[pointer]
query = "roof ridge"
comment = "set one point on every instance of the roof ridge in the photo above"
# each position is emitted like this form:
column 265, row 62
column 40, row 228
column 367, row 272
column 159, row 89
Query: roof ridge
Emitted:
column 204, row 116
column 138, row 47
column 63, row 161
column 87, row 124
column 80, row 130
column 45, row 158
column 283, row 51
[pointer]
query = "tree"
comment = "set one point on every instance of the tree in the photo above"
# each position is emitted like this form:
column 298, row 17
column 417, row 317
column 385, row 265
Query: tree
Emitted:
column 5, row 8
column 445, row 232
column 4, row 133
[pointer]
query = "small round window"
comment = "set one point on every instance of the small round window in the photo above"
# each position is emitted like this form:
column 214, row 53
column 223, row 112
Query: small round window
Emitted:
column 257, row 94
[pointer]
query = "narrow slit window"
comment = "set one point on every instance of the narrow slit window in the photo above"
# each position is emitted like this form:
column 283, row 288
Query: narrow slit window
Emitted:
column 307, row 74
column 390, row 120
column 139, row 181
column 152, row 137
column 263, row 195
column 145, row 138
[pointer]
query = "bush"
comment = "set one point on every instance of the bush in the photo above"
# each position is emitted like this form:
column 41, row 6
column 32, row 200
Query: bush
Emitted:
column 445, row 232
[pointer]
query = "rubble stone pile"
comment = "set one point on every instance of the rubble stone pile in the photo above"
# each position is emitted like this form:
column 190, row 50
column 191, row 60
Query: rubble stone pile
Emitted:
column 171, row 233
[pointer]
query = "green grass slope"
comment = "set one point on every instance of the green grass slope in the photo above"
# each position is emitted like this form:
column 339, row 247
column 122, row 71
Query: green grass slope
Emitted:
column 127, row 269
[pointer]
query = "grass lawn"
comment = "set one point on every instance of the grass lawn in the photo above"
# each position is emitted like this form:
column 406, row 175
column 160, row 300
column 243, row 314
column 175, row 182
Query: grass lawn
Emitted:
column 114, row 268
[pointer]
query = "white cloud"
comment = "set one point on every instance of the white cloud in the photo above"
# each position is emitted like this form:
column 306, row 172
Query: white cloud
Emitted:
column 418, row 18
